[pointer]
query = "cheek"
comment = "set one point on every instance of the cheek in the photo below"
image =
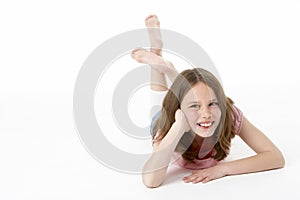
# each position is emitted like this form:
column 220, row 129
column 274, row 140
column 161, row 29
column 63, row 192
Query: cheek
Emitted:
column 216, row 112
column 191, row 116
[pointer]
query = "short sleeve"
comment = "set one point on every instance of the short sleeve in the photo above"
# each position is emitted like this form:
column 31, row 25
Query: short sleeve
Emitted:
column 239, row 120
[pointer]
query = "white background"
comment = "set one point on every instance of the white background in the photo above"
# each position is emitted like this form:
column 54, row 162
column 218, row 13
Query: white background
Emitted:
column 254, row 44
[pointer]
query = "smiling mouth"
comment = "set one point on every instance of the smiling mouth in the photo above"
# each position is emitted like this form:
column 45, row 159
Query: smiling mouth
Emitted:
column 205, row 124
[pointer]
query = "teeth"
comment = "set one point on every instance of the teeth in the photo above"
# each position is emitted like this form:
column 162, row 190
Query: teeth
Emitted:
column 206, row 124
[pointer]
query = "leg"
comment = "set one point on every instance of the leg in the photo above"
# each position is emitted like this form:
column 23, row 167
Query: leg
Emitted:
column 153, row 26
column 156, row 62
column 159, row 67
column 158, row 79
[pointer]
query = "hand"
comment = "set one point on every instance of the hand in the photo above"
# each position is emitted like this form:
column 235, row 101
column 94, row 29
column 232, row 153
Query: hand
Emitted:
column 181, row 120
column 205, row 175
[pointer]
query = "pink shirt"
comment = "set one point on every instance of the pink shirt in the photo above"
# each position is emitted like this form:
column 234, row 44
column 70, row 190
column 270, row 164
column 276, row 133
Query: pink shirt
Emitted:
column 206, row 161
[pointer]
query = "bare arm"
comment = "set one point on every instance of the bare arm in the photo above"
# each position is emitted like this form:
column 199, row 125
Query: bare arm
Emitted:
column 267, row 157
column 155, row 169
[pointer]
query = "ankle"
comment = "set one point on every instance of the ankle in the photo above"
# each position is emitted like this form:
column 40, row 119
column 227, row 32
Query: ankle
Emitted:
column 172, row 73
column 156, row 87
column 156, row 51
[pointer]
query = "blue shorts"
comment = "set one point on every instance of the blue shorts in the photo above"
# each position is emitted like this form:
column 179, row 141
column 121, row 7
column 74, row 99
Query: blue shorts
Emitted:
column 156, row 116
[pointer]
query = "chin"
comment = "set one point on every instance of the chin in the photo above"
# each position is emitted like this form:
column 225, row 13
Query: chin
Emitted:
column 204, row 134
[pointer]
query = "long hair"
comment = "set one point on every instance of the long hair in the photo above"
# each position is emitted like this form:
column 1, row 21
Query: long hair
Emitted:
column 172, row 101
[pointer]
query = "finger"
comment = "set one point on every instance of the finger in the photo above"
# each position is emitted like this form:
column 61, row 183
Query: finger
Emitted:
column 207, row 179
column 186, row 179
column 189, row 176
column 198, row 179
column 194, row 178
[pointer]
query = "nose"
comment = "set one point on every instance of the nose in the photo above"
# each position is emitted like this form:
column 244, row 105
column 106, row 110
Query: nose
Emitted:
column 205, row 112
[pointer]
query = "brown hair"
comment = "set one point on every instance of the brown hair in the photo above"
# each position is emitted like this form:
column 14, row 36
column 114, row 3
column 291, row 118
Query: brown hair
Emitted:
column 172, row 101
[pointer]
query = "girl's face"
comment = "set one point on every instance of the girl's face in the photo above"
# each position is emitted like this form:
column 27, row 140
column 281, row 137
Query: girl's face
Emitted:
column 201, row 109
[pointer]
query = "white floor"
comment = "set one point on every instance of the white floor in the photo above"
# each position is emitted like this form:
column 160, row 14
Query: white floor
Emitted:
column 255, row 47
column 43, row 158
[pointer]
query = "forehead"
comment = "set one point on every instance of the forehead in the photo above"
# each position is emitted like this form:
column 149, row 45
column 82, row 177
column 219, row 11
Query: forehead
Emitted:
column 200, row 91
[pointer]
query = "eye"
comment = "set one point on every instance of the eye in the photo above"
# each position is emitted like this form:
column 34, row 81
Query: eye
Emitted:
column 194, row 106
column 214, row 103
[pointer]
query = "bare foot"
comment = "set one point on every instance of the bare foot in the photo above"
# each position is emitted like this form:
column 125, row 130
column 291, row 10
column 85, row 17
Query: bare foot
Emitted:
column 146, row 57
column 155, row 61
column 153, row 26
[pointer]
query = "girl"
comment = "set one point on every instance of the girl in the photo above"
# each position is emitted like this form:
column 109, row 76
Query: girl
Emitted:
column 196, row 123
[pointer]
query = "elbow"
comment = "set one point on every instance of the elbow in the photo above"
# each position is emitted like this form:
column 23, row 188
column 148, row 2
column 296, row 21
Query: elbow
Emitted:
column 280, row 161
column 150, row 182
column 151, row 185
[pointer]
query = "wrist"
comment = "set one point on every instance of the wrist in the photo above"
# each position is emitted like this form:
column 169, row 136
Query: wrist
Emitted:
column 179, row 126
column 224, row 168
